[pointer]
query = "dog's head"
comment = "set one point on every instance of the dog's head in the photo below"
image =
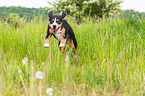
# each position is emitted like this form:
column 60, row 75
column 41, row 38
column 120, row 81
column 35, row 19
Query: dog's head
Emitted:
column 55, row 21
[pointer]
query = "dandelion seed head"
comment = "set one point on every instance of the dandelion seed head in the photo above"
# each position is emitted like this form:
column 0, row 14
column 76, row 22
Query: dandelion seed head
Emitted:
column 25, row 60
column 39, row 75
column 49, row 91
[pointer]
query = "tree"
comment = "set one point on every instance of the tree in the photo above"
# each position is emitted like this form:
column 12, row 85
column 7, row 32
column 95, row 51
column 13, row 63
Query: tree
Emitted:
column 81, row 8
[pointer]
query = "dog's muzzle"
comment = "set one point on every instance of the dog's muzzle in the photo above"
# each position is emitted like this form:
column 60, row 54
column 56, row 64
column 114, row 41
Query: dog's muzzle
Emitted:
column 55, row 29
column 54, row 26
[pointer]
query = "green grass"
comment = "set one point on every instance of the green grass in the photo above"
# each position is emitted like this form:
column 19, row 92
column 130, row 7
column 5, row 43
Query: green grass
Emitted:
column 111, row 60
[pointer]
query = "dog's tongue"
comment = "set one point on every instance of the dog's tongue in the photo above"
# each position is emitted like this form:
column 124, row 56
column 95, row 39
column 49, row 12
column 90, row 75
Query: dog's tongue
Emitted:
column 54, row 30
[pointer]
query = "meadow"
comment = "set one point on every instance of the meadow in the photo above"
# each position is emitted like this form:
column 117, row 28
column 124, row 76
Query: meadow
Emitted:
column 110, row 61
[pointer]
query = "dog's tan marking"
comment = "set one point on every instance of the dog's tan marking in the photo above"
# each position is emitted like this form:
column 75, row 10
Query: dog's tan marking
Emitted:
column 63, row 41
column 47, row 40
column 50, row 26
column 63, row 31
column 50, row 30
column 63, row 50
column 73, row 46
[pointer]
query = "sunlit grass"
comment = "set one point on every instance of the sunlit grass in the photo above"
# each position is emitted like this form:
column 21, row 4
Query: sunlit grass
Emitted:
column 111, row 60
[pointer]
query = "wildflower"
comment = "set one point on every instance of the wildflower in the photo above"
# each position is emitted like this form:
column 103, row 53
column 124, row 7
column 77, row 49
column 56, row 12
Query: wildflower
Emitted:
column 25, row 60
column 61, row 13
column 85, row 2
column 107, row 6
column 65, row 7
column 92, row 1
column 49, row 91
column 39, row 75
column 69, row 6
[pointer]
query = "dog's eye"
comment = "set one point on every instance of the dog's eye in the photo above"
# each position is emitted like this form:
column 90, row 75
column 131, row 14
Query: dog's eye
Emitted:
column 51, row 21
column 59, row 22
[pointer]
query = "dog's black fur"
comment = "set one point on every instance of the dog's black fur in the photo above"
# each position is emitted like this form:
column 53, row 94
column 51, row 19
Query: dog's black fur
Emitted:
column 62, row 31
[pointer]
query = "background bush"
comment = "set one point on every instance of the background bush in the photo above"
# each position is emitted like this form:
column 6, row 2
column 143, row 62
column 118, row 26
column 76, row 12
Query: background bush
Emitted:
column 81, row 8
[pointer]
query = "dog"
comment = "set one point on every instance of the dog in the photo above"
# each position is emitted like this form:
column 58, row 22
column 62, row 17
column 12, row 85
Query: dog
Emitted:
column 62, row 31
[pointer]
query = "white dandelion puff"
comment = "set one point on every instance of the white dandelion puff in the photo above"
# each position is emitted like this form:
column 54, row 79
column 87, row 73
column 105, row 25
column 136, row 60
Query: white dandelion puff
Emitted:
column 25, row 60
column 20, row 71
column 39, row 75
column 49, row 91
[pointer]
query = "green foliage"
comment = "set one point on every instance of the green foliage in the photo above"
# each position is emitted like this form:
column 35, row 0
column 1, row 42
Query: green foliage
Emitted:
column 103, row 7
column 128, row 13
column 81, row 8
column 134, row 21
column 28, row 13
column 14, row 20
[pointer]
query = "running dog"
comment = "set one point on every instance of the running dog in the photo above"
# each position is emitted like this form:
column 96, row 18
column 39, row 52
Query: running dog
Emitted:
column 62, row 31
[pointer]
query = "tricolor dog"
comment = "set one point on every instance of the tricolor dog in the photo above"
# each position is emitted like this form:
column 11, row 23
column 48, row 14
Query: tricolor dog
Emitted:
column 62, row 31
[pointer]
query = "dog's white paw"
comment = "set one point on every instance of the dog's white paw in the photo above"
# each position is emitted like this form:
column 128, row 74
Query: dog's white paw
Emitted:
column 61, row 45
column 46, row 45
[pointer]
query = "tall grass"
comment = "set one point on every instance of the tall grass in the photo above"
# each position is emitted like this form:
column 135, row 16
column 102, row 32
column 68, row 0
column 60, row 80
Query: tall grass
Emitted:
column 111, row 60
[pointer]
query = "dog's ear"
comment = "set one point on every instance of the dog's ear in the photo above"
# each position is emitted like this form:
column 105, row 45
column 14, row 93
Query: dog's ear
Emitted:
column 50, row 14
column 63, row 14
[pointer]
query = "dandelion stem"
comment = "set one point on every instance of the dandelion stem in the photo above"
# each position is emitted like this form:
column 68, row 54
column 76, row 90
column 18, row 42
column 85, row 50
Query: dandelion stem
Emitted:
column 26, row 75
column 32, row 79
column 39, row 90
column 23, row 84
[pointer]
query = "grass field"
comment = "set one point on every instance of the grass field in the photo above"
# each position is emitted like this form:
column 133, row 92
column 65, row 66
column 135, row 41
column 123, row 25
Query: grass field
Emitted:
column 110, row 62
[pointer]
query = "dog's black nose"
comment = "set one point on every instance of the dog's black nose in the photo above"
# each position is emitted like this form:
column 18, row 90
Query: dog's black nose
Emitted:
column 54, row 26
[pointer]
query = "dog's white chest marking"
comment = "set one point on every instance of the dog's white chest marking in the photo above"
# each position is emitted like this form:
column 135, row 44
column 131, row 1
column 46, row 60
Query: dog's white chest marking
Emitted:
column 58, row 34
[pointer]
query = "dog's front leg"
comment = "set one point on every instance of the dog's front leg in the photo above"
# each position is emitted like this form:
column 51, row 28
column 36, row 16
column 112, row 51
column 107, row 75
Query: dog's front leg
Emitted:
column 49, row 33
column 63, row 41
column 65, row 35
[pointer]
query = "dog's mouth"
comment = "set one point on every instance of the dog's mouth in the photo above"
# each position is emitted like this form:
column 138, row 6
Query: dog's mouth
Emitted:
column 56, row 29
